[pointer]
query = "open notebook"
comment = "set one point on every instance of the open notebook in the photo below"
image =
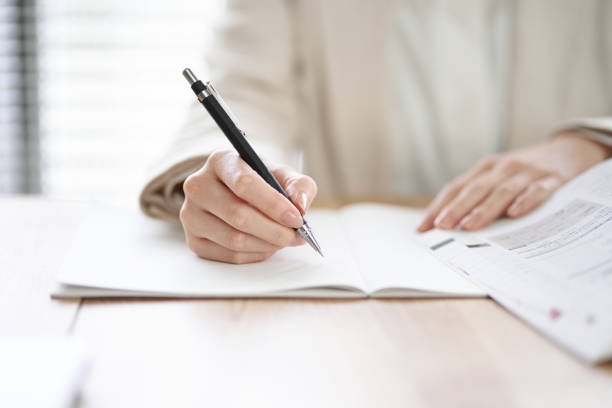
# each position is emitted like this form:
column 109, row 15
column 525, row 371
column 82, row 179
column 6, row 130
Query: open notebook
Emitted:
column 370, row 251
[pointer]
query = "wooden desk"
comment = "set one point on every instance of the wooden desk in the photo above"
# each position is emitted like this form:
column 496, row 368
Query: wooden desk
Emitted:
column 330, row 353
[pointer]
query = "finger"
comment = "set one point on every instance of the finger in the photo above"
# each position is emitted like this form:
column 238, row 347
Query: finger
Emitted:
column 221, row 202
column 497, row 202
column 534, row 195
column 210, row 250
column 246, row 184
column 470, row 196
column 203, row 224
column 450, row 191
column 299, row 187
column 446, row 195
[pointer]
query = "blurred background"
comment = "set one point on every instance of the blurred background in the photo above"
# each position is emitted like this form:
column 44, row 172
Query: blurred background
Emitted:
column 91, row 91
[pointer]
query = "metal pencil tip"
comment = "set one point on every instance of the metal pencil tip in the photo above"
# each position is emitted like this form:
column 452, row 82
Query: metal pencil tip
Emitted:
column 306, row 233
column 189, row 76
column 315, row 245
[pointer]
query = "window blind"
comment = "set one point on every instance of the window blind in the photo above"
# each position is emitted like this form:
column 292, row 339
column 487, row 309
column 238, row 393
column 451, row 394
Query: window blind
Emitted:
column 110, row 89
column 19, row 159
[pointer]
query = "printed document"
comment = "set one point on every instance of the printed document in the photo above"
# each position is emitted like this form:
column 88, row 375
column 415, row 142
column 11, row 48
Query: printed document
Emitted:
column 553, row 267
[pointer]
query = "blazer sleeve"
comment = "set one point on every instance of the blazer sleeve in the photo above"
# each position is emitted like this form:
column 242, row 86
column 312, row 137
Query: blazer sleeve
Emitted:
column 597, row 129
column 251, row 63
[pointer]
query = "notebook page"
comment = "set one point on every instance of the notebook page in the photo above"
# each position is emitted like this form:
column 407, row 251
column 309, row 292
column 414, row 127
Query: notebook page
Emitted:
column 126, row 251
column 385, row 244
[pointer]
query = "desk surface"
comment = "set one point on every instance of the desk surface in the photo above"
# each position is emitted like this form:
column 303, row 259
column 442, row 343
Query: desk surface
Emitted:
column 397, row 353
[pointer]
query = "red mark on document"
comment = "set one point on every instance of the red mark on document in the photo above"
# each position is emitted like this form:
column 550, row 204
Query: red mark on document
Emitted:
column 464, row 271
column 554, row 313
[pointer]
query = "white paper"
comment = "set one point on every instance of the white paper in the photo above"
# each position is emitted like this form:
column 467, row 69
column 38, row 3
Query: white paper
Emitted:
column 368, row 249
column 554, row 267
column 131, row 253
column 41, row 371
column 392, row 260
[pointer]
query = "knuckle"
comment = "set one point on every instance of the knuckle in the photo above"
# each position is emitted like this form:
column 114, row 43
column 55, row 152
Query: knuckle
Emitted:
column 506, row 189
column 282, row 237
column 555, row 175
column 478, row 212
column 238, row 258
column 277, row 206
column 486, row 161
column 479, row 187
column 216, row 156
column 450, row 188
column 283, row 169
column 482, row 163
column 539, row 188
column 267, row 255
column 191, row 185
column 193, row 246
column 238, row 216
column 452, row 213
column 512, row 164
column 236, row 240
column 241, row 183
column 184, row 215
column 309, row 181
column 218, row 160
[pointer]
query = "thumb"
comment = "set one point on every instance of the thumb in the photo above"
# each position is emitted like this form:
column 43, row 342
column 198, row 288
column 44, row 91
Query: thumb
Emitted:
column 300, row 188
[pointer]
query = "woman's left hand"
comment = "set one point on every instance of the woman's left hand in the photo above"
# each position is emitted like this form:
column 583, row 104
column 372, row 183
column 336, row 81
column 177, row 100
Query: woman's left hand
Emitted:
column 513, row 183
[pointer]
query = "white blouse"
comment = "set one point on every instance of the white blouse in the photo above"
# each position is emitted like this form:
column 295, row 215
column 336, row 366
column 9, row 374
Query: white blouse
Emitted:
column 395, row 96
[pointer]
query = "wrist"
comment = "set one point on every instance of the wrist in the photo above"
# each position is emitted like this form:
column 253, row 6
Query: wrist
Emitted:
column 576, row 152
column 580, row 140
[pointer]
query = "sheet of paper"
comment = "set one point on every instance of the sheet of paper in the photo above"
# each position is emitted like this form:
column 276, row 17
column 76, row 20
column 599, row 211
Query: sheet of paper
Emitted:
column 35, row 234
column 41, row 371
column 554, row 267
column 385, row 243
column 129, row 252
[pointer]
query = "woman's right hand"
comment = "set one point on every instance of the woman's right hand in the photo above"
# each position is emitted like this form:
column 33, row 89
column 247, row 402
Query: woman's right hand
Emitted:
column 231, row 214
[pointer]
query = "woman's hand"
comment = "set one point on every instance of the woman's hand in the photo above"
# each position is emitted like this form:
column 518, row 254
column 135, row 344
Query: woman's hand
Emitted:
column 231, row 214
column 513, row 183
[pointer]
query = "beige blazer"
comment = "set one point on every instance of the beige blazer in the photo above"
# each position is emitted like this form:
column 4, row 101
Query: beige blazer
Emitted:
column 396, row 96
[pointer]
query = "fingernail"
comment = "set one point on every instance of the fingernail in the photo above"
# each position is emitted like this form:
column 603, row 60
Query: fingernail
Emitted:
column 424, row 225
column 291, row 219
column 444, row 220
column 303, row 201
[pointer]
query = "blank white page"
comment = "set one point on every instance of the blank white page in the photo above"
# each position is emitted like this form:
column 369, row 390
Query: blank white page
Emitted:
column 126, row 251
column 41, row 371
column 390, row 256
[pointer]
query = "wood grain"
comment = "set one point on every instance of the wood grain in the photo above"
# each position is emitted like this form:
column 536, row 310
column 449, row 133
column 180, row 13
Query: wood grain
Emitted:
column 328, row 353
column 392, row 353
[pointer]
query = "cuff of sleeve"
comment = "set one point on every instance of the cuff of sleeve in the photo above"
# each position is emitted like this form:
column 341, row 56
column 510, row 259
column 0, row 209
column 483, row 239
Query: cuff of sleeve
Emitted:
column 596, row 129
column 162, row 197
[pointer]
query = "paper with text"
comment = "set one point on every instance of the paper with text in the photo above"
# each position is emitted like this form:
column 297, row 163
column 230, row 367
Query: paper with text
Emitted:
column 385, row 244
column 554, row 267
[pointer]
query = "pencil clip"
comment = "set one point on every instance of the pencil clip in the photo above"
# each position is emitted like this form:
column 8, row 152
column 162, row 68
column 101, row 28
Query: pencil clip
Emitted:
column 217, row 96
